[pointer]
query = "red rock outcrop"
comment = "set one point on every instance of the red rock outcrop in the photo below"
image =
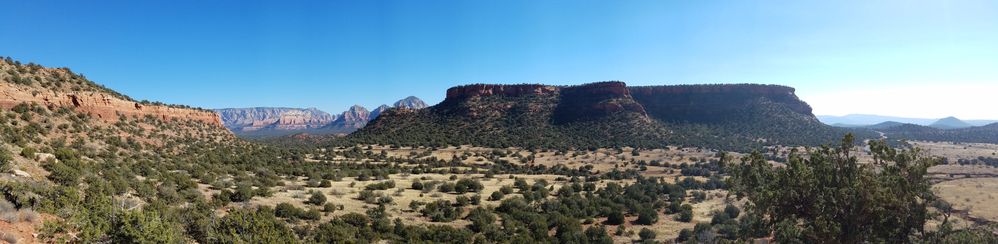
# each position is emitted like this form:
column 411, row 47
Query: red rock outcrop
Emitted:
column 595, row 100
column 493, row 90
column 99, row 105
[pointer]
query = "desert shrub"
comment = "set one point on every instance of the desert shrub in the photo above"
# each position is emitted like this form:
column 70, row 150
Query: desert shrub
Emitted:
column 685, row 213
column 481, row 219
column 28, row 152
column 446, row 187
column 647, row 216
column 468, row 185
column 417, row 184
column 476, row 199
column 249, row 226
column 329, row 208
column 615, row 218
column 461, row 200
column 370, row 197
column 317, row 198
column 144, row 227
column 244, row 192
column 646, row 234
column 5, row 160
column 684, row 235
column 732, row 211
column 385, row 185
column 496, row 196
column 440, row 211
column 506, row 189
column 597, row 234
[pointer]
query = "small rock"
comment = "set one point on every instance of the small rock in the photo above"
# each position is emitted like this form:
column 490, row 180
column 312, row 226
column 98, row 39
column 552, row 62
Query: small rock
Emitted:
column 20, row 173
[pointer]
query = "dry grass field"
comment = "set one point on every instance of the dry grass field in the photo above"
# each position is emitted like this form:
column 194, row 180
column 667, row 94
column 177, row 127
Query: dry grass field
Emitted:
column 973, row 197
column 954, row 151
column 972, row 190
column 346, row 192
column 976, row 196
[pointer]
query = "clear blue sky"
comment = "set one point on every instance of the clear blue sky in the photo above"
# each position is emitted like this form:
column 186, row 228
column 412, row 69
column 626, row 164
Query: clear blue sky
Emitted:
column 333, row 54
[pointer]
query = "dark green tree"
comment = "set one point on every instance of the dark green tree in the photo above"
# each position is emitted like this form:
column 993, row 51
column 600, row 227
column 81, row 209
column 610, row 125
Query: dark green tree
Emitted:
column 317, row 198
column 828, row 196
column 596, row 234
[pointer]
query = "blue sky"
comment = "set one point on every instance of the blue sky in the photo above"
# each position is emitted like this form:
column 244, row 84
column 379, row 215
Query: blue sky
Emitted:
column 904, row 58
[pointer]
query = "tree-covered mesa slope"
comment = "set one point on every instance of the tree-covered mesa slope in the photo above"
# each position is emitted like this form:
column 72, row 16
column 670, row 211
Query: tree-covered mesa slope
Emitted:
column 606, row 114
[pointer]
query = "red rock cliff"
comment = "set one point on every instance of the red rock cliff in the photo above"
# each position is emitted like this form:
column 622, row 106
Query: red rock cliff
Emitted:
column 493, row 90
column 101, row 106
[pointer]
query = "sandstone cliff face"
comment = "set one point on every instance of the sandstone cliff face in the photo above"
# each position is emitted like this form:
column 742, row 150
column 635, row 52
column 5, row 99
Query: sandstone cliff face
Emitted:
column 60, row 87
column 268, row 122
column 99, row 105
column 254, row 119
column 467, row 91
column 355, row 117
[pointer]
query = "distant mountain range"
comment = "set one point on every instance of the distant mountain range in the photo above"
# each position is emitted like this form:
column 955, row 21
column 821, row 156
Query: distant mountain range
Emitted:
column 976, row 134
column 867, row 120
column 271, row 122
column 949, row 129
column 607, row 114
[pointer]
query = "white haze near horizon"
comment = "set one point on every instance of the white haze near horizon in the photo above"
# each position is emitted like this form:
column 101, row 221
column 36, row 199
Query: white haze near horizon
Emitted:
column 973, row 101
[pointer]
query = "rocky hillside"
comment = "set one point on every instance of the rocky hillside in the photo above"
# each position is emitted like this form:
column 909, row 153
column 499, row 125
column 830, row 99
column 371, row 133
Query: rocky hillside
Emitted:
column 81, row 160
column 61, row 88
column 55, row 105
column 51, row 115
column 738, row 117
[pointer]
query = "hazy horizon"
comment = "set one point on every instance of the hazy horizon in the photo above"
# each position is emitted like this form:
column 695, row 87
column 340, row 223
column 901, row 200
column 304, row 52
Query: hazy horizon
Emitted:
column 894, row 58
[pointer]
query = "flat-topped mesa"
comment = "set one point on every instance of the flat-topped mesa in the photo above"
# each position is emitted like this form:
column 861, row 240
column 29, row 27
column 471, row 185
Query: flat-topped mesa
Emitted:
column 602, row 89
column 707, row 103
column 467, row 91
column 759, row 89
column 594, row 101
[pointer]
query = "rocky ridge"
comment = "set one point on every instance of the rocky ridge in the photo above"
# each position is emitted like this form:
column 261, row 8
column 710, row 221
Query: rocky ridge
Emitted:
column 269, row 121
column 255, row 119
column 53, row 88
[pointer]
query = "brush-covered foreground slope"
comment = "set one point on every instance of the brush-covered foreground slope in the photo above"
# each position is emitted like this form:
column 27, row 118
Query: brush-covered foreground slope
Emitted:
column 606, row 114
column 90, row 159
